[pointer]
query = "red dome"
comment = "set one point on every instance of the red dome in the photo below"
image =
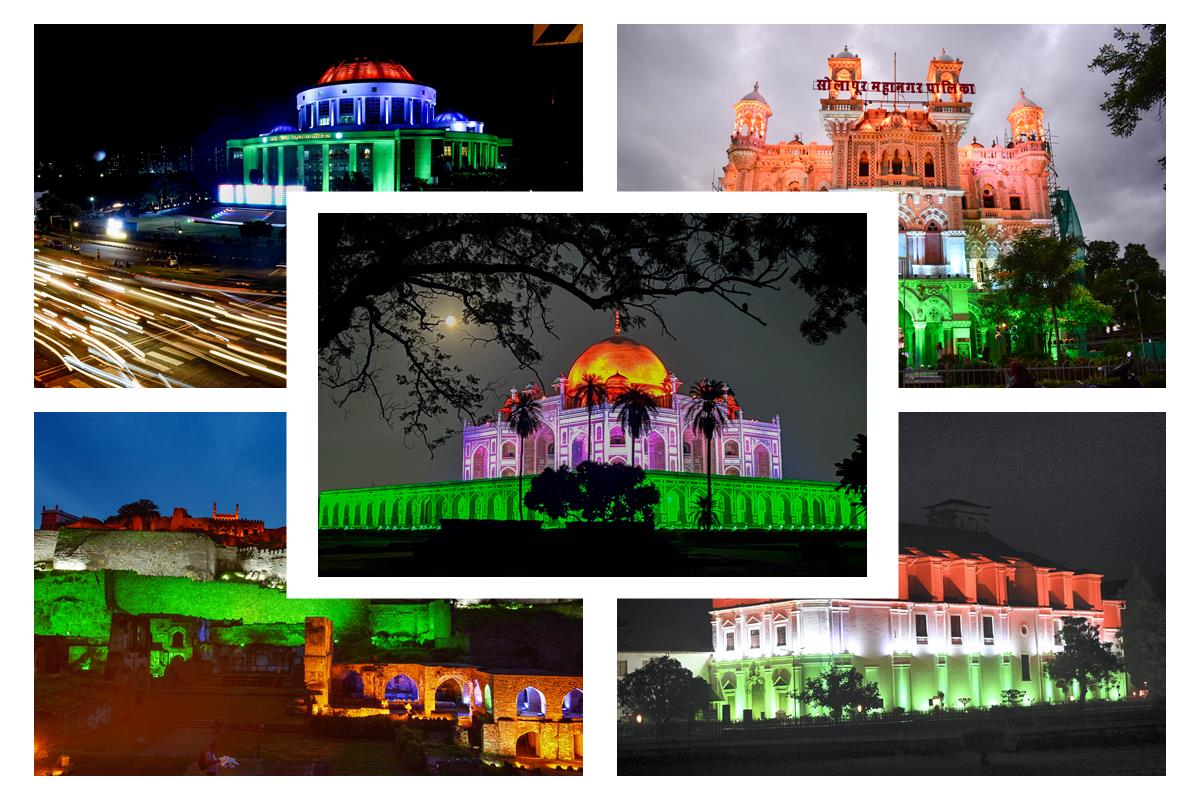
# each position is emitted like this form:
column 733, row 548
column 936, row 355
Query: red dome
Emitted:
column 365, row 69
column 615, row 355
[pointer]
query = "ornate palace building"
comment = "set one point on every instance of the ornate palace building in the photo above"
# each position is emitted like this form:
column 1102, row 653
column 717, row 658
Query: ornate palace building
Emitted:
column 749, row 490
column 960, row 202
column 367, row 125
column 973, row 618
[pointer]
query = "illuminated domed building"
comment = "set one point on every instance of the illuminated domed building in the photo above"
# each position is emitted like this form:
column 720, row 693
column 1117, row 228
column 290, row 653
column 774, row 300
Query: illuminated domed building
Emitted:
column 748, row 487
column 367, row 125
column 745, row 447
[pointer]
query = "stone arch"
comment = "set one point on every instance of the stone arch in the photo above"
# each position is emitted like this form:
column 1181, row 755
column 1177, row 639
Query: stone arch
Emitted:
column 732, row 471
column 579, row 451
column 427, row 511
column 508, row 472
column 527, row 745
column 451, row 694
column 656, row 451
column 762, row 461
column 397, row 513
column 400, row 688
column 324, row 516
column 537, row 452
column 479, row 462
column 531, row 702
column 497, row 507
column 744, row 514
column 616, row 436
column 463, row 507
column 508, row 451
column 731, row 449
column 572, row 704
column 617, row 460
column 819, row 513
column 673, row 506
column 476, row 504
column 352, row 685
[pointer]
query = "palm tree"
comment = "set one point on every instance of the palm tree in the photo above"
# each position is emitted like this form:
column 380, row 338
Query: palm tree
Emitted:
column 635, row 413
column 590, row 392
column 524, row 418
column 708, row 415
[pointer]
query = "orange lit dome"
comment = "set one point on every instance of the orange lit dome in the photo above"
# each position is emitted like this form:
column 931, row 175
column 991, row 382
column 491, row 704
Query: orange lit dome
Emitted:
column 365, row 69
column 619, row 354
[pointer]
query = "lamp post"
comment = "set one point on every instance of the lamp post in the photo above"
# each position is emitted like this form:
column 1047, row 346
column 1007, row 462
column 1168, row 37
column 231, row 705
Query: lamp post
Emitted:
column 1130, row 282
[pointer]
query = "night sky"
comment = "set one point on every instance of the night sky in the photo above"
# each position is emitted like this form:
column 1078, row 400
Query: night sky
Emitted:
column 671, row 624
column 677, row 86
column 237, row 81
column 1084, row 490
column 91, row 464
column 818, row 391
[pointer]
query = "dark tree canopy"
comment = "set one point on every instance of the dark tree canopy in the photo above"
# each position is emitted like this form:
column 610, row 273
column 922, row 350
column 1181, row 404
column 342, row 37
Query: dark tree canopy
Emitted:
column 594, row 492
column 1141, row 82
column 380, row 276
column 841, row 689
column 138, row 508
column 852, row 473
column 663, row 691
column 1085, row 661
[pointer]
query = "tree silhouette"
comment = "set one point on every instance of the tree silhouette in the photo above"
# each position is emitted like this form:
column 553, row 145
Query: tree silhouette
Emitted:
column 381, row 277
column 708, row 414
column 138, row 508
column 663, row 691
column 1084, row 660
column 1141, row 83
column 852, row 474
column 594, row 492
column 635, row 409
column 524, row 418
column 840, row 689
column 590, row 392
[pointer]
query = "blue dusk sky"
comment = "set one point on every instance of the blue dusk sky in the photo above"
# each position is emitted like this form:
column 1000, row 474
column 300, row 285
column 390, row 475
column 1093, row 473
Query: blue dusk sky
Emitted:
column 90, row 464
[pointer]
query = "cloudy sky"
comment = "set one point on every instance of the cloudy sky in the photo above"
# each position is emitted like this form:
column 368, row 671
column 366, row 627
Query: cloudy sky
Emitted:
column 1084, row 490
column 677, row 86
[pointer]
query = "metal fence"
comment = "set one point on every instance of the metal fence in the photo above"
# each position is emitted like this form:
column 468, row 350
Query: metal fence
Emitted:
column 996, row 377
column 909, row 726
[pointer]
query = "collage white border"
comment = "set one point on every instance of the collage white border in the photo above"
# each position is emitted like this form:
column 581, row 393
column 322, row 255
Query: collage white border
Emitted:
column 884, row 399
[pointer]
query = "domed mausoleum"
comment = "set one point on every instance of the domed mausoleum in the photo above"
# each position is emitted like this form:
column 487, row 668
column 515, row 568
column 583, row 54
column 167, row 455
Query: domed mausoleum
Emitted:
column 367, row 125
column 746, row 447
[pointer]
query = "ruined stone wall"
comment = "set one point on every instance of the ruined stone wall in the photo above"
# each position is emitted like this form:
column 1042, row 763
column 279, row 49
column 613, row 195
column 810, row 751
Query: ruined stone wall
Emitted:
column 190, row 555
column 556, row 741
column 256, row 563
column 44, row 542
column 554, row 688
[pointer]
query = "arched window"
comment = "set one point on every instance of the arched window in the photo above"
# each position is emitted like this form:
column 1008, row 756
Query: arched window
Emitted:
column 616, row 436
column 864, row 166
column 933, row 244
column 989, row 197
column 731, row 448
column 479, row 462
column 177, row 640
column 656, row 452
column 508, row 451
column 352, row 684
column 732, row 471
column 572, row 707
column 530, row 703
column 762, row 461
column 928, row 165
column 401, row 689
column 897, row 163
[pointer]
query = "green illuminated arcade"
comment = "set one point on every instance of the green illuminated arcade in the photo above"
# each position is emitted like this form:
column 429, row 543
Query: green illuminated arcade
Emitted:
column 366, row 126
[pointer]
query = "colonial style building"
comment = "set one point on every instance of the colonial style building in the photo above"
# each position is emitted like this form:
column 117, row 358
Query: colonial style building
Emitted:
column 960, row 202
column 972, row 618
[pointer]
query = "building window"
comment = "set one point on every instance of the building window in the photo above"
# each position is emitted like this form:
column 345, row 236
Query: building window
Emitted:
column 922, row 624
column 346, row 112
column 1058, row 639
column 780, row 636
column 864, row 166
column 1025, row 667
column 755, row 642
column 616, row 436
column 1014, row 203
column 728, row 641
column 622, row 669
column 989, row 631
column 928, row 166
column 955, row 629
column 989, row 198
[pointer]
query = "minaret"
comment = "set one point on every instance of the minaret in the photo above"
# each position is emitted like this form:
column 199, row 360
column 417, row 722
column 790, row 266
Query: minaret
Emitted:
column 750, row 115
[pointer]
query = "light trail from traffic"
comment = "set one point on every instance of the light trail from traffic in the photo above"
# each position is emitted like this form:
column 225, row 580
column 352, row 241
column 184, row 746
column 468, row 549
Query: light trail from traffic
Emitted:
column 99, row 326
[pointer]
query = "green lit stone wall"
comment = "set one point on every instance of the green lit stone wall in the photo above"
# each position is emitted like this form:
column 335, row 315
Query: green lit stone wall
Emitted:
column 936, row 312
column 81, row 604
column 739, row 502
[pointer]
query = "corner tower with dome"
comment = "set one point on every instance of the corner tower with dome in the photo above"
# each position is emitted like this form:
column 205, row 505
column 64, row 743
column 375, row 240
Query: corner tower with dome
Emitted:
column 746, row 447
column 960, row 202
column 367, row 125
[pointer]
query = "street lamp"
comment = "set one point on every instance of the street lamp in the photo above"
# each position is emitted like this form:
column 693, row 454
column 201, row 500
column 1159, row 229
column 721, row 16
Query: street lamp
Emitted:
column 92, row 200
column 1130, row 282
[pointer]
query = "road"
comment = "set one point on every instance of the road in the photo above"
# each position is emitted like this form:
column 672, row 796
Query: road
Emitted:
column 97, row 326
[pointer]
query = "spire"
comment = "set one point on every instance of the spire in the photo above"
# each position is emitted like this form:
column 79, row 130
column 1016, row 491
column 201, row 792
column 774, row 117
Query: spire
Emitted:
column 756, row 87
column 617, row 312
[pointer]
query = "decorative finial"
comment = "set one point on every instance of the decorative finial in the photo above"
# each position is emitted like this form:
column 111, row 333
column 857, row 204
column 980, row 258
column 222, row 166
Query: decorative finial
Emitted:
column 756, row 86
column 617, row 313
